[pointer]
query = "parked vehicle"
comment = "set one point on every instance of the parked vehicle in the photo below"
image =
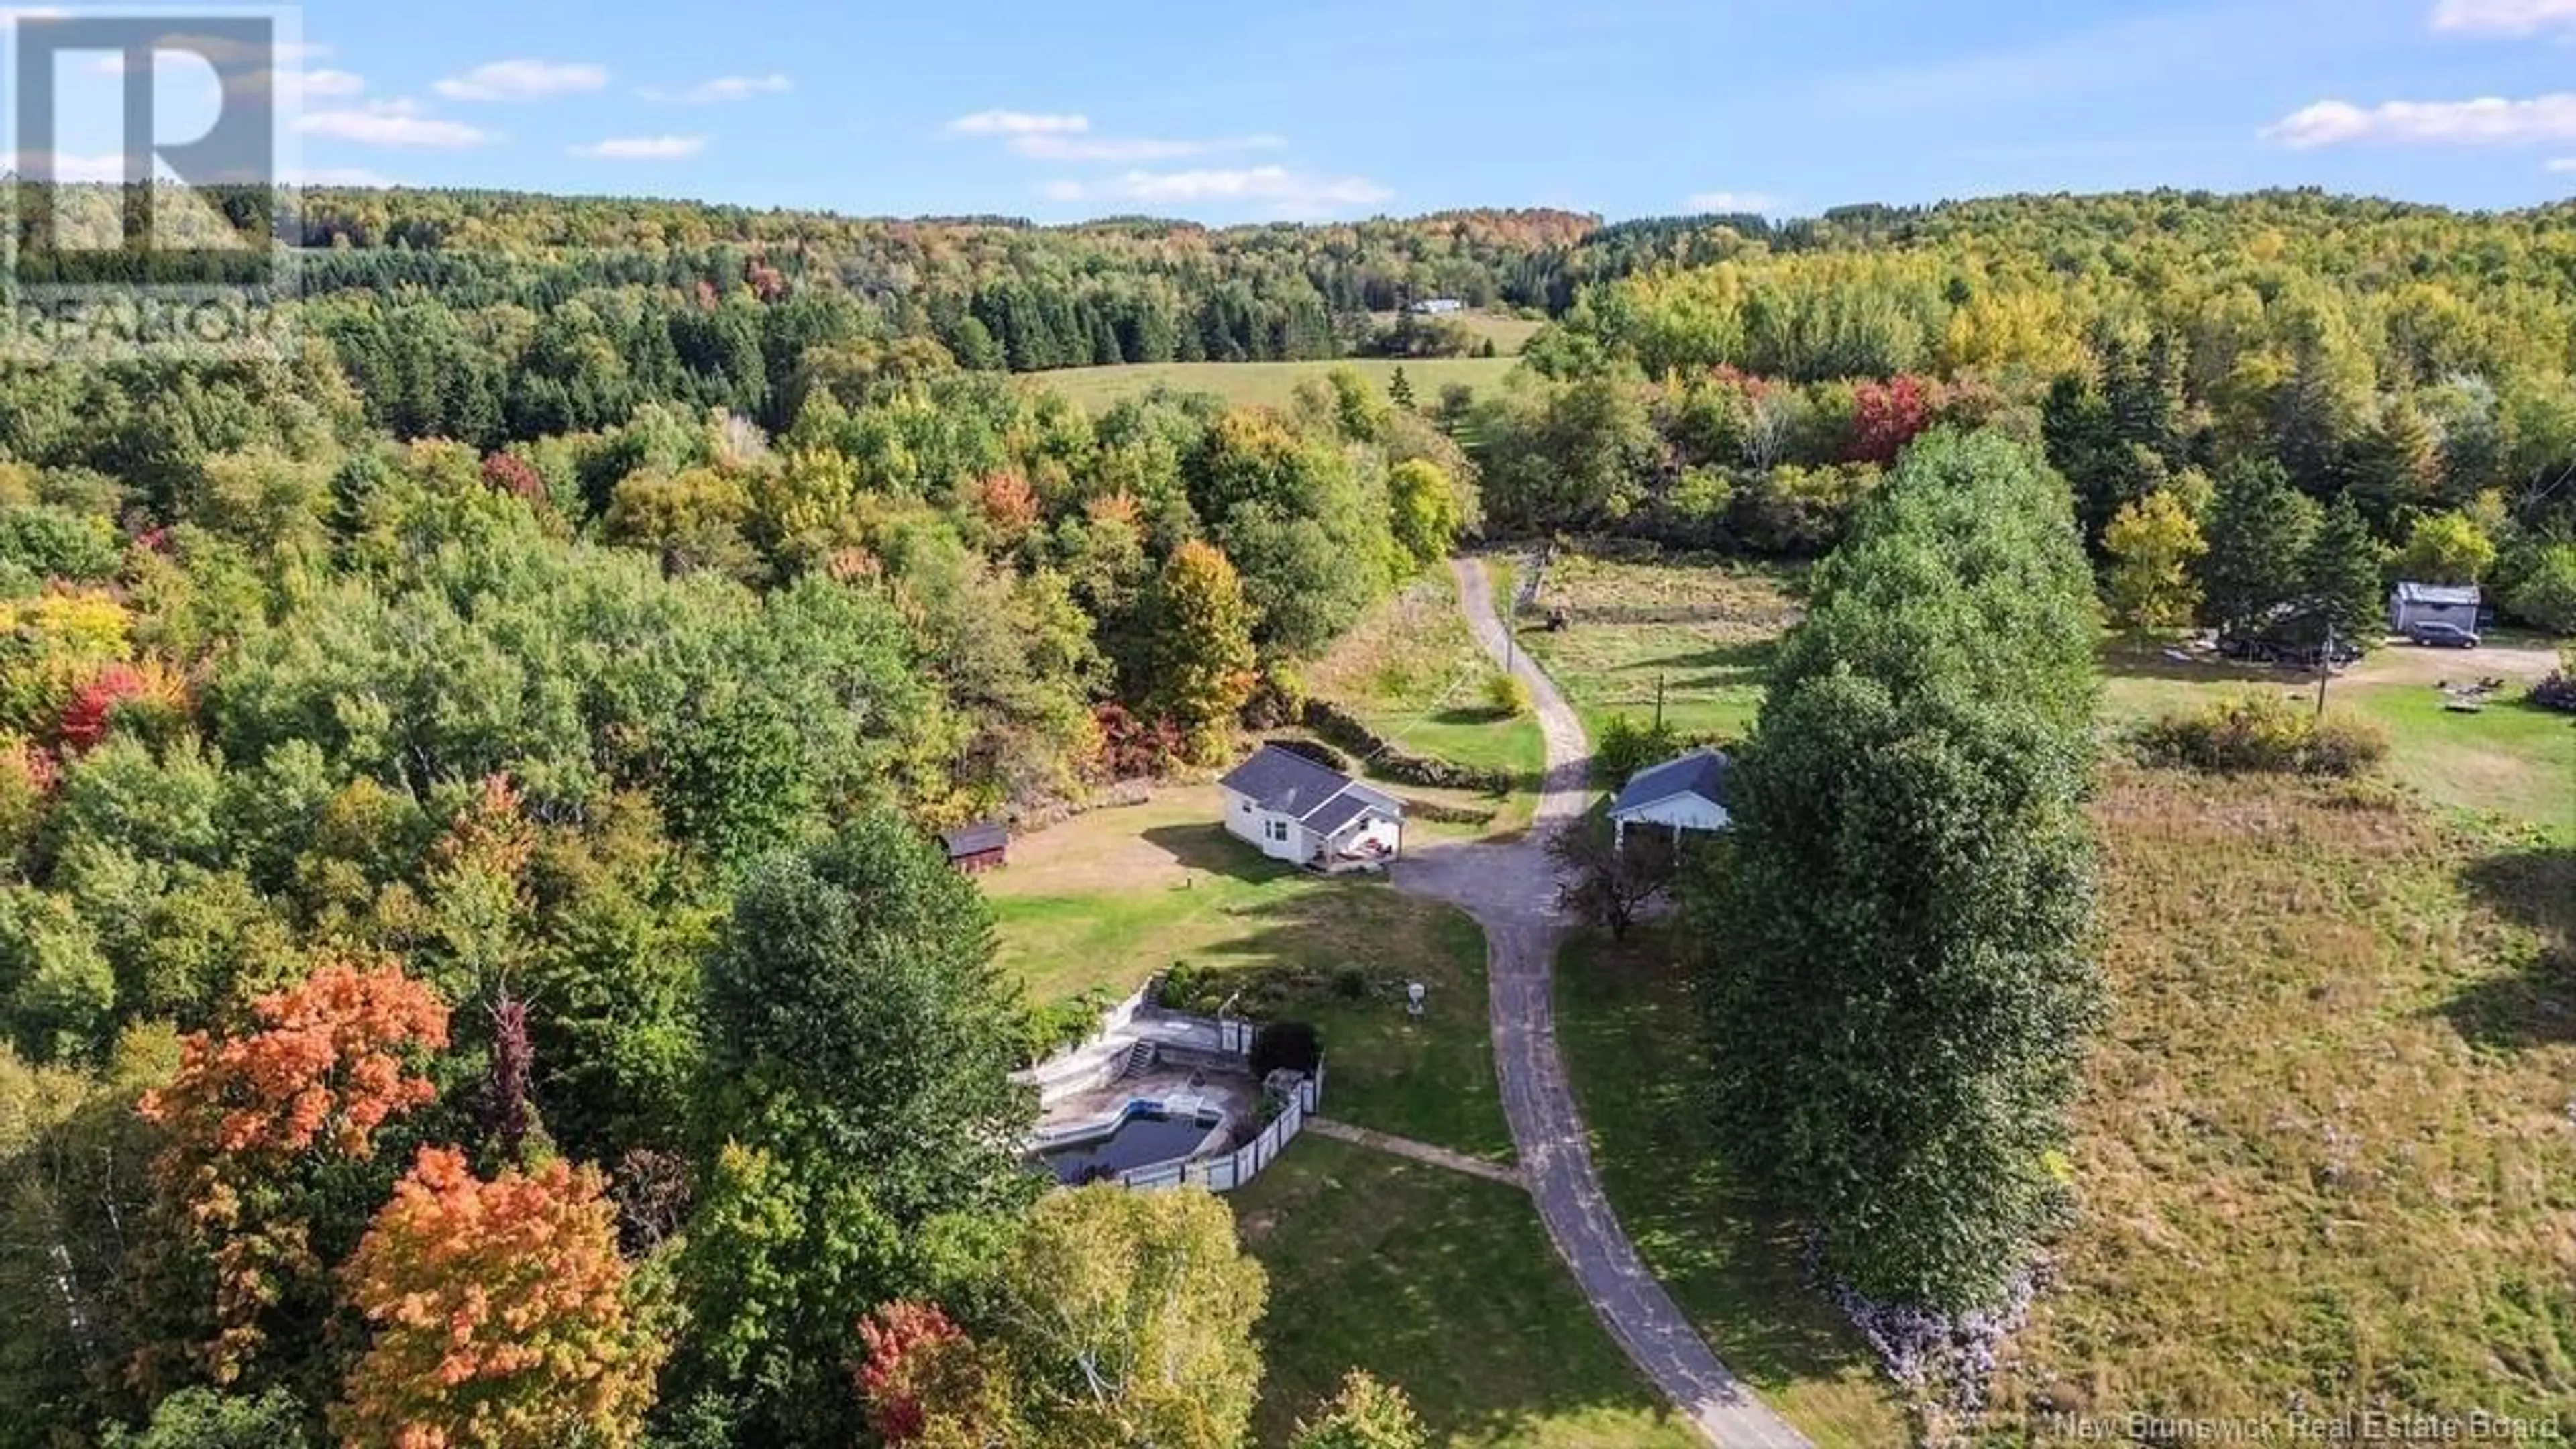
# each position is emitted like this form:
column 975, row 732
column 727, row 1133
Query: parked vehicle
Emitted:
column 2433, row 634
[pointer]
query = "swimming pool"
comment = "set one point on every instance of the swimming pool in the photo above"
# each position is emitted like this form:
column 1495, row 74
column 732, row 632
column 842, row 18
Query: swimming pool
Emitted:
column 1141, row 1135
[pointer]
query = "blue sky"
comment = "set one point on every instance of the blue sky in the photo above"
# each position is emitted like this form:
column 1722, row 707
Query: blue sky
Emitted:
column 1305, row 110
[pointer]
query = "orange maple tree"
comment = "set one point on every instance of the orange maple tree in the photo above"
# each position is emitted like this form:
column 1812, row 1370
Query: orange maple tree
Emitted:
column 324, row 1064
column 501, row 1315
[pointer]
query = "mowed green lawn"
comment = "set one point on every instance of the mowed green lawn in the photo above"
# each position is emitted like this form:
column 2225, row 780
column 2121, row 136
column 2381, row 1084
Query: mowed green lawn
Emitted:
column 1269, row 384
column 1445, row 1284
column 1510, row 335
column 1700, row 632
column 1413, row 673
column 1107, row 899
column 1633, row 1049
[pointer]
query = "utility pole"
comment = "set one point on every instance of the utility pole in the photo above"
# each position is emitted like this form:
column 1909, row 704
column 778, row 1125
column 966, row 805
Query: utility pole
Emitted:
column 1659, row 703
column 2325, row 671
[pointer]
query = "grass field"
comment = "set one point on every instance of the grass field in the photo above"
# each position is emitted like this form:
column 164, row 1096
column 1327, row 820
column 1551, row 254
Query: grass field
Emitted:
column 2515, row 760
column 1442, row 1283
column 1266, row 383
column 1413, row 673
column 1703, row 630
column 1625, row 1023
column 1508, row 334
column 2325, row 1149
column 1107, row 899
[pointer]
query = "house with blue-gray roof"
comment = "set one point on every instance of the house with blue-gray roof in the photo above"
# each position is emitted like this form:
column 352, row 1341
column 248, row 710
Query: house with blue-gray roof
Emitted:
column 1306, row 813
column 1683, row 796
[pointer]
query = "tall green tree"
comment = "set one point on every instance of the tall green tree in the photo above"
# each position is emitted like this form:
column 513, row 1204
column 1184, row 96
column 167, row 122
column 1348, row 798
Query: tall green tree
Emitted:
column 859, row 1045
column 2259, row 531
column 2339, row 578
column 1893, row 949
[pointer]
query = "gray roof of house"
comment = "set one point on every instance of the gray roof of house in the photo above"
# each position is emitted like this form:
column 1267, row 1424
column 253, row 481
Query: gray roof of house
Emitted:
column 1701, row 773
column 975, row 839
column 1287, row 783
column 2415, row 593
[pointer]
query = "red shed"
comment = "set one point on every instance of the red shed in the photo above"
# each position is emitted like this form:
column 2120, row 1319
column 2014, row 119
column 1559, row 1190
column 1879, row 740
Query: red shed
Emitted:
column 975, row 849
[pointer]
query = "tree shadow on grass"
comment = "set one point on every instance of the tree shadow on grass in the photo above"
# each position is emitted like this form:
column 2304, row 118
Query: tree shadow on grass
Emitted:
column 2129, row 661
column 1211, row 849
column 2537, row 1005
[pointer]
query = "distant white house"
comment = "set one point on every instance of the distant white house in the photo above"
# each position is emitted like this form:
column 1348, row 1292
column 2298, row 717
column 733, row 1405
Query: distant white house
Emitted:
column 1688, row 794
column 2410, row 604
column 1437, row 307
column 1298, row 811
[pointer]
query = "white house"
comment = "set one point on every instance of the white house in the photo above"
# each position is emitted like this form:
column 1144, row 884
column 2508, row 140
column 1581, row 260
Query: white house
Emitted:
column 2410, row 604
column 1437, row 307
column 1298, row 811
column 1684, row 794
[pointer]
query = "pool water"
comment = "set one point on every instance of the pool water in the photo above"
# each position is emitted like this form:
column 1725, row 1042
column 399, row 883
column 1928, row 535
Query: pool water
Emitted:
column 1143, row 1137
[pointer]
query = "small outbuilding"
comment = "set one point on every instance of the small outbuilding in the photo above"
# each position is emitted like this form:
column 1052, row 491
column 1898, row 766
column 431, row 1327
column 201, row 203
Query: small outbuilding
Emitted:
column 978, row 848
column 2410, row 604
column 1684, row 795
column 1437, row 307
column 1305, row 813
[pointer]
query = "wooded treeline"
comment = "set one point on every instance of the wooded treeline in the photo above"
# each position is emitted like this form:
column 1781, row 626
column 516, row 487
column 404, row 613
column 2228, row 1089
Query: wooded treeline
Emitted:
column 2415, row 364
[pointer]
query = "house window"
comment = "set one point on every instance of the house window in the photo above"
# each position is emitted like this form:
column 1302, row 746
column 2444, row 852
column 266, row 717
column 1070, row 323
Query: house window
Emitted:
column 1279, row 830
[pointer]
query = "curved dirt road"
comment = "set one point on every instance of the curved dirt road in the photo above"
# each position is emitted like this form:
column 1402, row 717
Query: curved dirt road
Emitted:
column 1511, row 891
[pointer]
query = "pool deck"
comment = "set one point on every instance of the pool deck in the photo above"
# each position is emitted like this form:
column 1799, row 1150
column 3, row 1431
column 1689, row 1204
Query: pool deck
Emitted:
column 1238, row 1097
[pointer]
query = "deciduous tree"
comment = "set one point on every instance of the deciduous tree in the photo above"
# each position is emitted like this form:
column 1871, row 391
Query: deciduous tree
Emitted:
column 502, row 1316
column 1202, row 657
column 1130, row 1314
column 2154, row 544
column 1893, row 956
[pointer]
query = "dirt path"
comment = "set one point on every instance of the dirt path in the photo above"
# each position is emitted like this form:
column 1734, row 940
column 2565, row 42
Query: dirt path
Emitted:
column 1510, row 888
column 1422, row 1152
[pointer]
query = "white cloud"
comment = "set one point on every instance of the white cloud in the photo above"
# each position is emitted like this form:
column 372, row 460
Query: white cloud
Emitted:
column 643, row 148
column 1275, row 190
column 1734, row 201
column 725, row 88
column 2559, row 164
column 1017, row 123
column 1057, row 146
column 66, row 166
column 2489, row 120
column 392, row 123
column 523, row 80
column 2504, row 17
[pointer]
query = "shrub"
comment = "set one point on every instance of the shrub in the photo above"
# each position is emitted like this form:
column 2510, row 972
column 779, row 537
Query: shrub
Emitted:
column 1293, row 1046
column 2558, row 691
column 1390, row 761
column 2264, row 734
column 1508, row 695
column 1317, row 751
column 1627, row 746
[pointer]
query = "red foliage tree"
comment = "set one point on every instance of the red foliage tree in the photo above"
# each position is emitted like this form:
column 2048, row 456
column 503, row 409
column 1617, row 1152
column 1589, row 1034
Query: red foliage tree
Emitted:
column 249, row 1117
column 501, row 1312
column 84, row 720
column 1137, row 749
column 1886, row 416
column 899, row 1337
column 514, row 475
column 767, row 282
column 923, row 1381
column 1010, row 505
